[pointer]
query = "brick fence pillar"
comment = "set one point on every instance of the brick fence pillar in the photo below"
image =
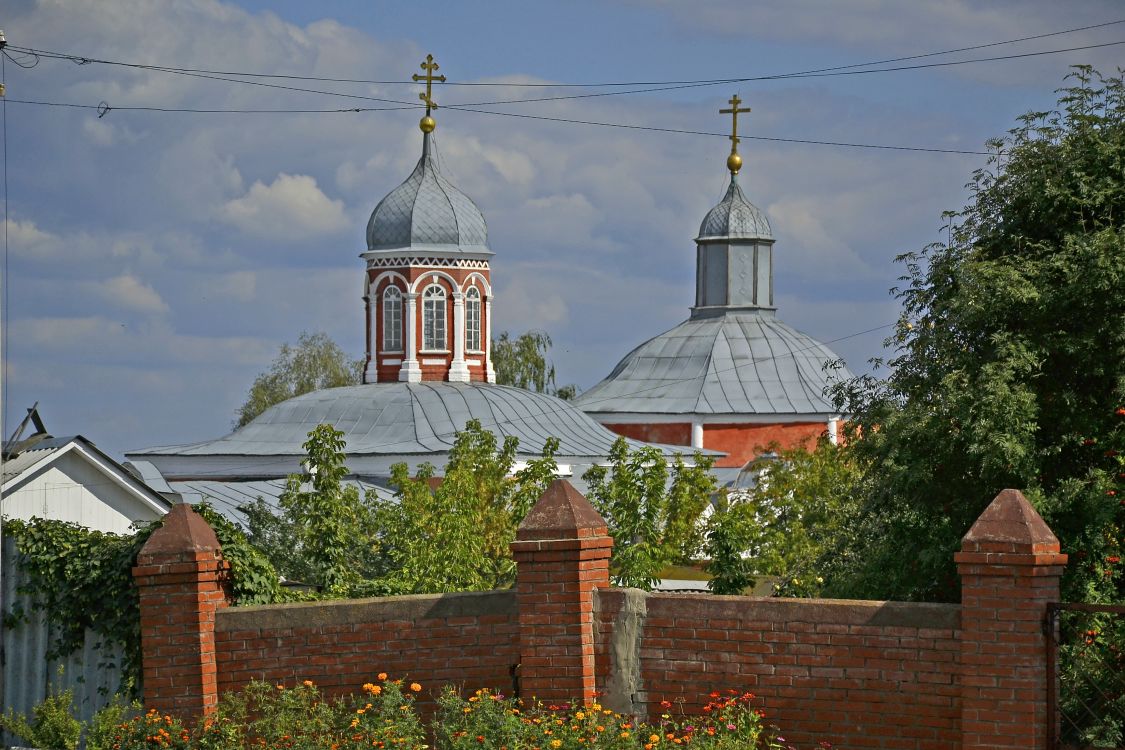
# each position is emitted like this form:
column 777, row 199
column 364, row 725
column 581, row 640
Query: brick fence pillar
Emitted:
column 1010, row 567
column 562, row 554
column 180, row 574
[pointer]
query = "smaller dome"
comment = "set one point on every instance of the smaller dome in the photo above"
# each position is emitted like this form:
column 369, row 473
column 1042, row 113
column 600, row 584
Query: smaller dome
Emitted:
column 427, row 209
column 735, row 218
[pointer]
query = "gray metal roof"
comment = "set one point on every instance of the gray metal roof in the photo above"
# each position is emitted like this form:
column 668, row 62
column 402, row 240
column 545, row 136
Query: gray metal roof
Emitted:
column 737, row 362
column 427, row 210
column 227, row 497
column 412, row 418
column 735, row 218
column 13, row 467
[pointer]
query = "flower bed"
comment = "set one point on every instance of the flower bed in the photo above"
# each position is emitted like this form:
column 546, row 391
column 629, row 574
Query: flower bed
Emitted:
column 383, row 716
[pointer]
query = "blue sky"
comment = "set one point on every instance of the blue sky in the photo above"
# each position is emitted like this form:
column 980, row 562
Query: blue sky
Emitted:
column 157, row 261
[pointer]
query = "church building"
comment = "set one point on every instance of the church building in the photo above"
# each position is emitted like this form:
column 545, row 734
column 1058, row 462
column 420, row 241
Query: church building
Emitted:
column 733, row 377
column 428, row 309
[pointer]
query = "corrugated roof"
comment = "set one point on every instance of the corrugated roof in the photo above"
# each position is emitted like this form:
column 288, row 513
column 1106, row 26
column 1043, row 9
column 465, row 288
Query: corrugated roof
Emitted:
column 392, row 419
column 736, row 362
column 228, row 497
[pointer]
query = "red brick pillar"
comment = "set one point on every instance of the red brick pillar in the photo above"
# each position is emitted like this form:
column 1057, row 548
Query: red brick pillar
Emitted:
column 180, row 574
column 1010, row 567
column 562, row 554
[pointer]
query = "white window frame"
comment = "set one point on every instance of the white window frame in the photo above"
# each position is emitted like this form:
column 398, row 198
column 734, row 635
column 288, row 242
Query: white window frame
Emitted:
column 473, row 307
column 392, row 319
column 435, row 319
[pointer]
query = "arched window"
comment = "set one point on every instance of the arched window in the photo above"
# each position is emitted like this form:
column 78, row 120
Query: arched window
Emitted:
column 472, row 319
column 433, row 318
column 392, row 319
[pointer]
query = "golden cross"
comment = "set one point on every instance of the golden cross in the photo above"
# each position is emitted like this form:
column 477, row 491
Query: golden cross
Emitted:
column 734, row 111
column 429, row 66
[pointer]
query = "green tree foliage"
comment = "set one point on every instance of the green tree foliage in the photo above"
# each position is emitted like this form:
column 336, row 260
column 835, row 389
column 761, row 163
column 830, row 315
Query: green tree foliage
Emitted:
column 782, row 525
column 1009, row 365
column 53, row 724
column 314, row 362
column 330, row 522
column 452, row 533
column 654, row 515
column 523, row 362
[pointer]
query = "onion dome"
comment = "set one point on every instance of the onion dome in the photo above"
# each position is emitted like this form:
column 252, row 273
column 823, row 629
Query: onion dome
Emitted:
column 429, row 213
column 735, row 218
column 735, row 362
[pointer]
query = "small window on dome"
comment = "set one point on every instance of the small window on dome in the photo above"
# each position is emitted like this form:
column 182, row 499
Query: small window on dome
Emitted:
column 392, row 319
column 433, row 318
column 472, row 319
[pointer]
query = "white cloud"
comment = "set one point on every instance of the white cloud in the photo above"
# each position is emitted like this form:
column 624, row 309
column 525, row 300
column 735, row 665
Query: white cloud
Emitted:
column 129, row 292
column 292, row 207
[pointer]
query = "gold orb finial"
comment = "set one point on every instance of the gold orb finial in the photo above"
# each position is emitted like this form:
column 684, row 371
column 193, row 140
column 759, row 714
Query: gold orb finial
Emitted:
column 734, row 163
column 427, row 124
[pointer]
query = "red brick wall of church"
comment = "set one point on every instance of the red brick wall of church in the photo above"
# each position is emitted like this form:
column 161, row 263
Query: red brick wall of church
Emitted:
column 673, row 433
column 742, row 442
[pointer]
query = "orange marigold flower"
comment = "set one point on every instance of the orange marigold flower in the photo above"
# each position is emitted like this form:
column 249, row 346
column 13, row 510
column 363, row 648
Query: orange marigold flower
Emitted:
column 382, row 676
column 307, row 683
column 415, row 687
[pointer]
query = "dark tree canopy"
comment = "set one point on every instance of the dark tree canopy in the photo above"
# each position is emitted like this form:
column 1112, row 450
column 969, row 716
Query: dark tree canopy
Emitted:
column 314, row 362
column 1008, row 367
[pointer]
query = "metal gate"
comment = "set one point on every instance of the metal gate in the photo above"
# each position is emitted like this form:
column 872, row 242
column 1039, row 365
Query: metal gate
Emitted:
column 1086, row 676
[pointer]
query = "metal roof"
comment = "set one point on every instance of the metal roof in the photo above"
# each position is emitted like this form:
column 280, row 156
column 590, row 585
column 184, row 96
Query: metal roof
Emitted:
column 734, row 362
column 413, row 418
column 427, row 210
column 735, row 218
column 13, row 467
column 227, row 497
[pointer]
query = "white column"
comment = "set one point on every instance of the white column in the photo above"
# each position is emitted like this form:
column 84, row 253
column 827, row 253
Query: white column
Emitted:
column 458, row 370
column 410, row 371
column 833, row 431
column 489, row 373
column 697, row 435
column 370, row 374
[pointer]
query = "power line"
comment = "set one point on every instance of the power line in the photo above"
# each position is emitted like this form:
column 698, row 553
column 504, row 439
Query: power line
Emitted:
column 827, row 72
column 104, row 108
column 83, row 60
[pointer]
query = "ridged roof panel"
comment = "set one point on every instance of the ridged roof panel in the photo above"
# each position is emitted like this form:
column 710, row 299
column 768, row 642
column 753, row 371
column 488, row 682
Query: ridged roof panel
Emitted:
column 739, row 362
column 413, row 418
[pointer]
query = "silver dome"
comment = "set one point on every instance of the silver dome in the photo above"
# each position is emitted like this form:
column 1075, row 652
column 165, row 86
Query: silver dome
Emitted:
column 736, row 362
column 427, row 210
column 735, row 218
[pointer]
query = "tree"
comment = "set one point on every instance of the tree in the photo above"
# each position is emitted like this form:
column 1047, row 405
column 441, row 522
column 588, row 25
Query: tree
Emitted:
column 452, row 533
column 315, row 362
column 1008, row 367
column 324, row 532
column 781, row 525
column 523, row 362
column 653, row 515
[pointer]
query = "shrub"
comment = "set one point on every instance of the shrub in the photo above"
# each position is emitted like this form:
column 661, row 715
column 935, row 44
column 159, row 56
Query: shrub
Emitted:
column 53, row 725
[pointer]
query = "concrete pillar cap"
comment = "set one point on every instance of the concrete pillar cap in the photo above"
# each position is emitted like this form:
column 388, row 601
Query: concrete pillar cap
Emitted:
column 1010, row 524
column 184, row 530
column 561, row 513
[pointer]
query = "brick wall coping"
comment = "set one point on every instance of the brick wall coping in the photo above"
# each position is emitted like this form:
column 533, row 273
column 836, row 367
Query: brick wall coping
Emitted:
column 920, row 615
column 357, row 611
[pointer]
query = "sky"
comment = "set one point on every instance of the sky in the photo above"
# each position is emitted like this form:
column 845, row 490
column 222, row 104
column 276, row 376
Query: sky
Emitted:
column 156, row 261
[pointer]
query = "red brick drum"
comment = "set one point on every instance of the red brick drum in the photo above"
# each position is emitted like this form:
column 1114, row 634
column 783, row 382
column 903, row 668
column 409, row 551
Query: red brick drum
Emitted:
column 179, row 575
column 1010, row 567
column 562, row 552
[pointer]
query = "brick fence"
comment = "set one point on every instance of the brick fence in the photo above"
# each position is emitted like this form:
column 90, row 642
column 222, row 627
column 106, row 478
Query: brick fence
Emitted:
column 853, row 673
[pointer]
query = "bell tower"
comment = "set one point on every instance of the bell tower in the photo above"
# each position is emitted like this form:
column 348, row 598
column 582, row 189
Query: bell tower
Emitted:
column 428, row 290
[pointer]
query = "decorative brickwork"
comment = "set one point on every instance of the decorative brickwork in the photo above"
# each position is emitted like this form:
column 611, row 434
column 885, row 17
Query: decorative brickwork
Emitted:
column 180, row 574
column 1010, row 567
column 854, row 674
column 562, row 552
